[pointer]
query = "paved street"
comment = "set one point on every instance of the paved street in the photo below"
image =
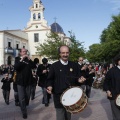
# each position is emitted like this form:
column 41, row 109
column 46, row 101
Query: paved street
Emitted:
column 98, row 108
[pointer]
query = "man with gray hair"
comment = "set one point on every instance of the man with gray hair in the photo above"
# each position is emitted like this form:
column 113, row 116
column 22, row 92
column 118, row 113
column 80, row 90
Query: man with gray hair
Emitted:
column 23, row 66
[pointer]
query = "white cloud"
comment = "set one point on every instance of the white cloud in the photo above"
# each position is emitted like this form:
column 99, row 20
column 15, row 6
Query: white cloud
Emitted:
column 116, row 3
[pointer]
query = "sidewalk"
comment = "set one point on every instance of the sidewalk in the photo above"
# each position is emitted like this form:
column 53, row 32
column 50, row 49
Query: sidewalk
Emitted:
column 98, row 108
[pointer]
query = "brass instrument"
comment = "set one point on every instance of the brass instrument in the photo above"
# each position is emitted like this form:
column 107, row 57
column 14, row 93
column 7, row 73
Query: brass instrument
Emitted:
column 14, row 76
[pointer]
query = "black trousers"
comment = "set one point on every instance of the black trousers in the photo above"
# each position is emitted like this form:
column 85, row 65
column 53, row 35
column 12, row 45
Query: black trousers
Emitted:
column 115, row 110
column 6, row 95
column 33, row 89
column 88, row 90
column 62, row 114
column 24, row 97
column 46, row 96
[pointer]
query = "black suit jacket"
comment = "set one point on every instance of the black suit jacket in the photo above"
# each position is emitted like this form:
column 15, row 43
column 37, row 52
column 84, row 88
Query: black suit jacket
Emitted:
column 24, row 71
column 43, row 76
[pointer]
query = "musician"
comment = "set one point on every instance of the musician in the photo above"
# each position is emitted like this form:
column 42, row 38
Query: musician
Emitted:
column 83, row 71
column 35, row 78
column 112, row 87
column 34, row 84
column 90, row 79
column 14, row 74
column 61, row 76
column 42, row 72
column 80, row 62
column 6, row 87
column 23, row 66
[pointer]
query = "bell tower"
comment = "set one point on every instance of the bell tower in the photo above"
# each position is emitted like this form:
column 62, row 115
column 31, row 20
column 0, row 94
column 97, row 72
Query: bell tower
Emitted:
column 37, row 14
column 37, row 27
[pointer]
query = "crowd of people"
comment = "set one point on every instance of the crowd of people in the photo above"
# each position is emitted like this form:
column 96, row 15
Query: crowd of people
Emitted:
column 56, row 78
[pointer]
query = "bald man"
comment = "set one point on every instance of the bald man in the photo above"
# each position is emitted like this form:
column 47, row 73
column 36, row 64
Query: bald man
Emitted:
column 62, row 75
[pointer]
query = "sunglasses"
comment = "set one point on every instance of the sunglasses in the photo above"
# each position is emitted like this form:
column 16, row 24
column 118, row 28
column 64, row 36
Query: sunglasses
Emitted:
column 80, row 60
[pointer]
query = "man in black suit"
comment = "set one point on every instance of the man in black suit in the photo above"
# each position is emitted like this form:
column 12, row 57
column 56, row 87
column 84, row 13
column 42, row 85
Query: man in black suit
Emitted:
column 112, row 87
column 42, row 72
column 62, row 75
column 23, row 66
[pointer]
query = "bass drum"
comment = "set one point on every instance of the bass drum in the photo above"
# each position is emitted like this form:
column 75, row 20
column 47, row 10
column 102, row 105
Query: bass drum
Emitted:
column 74, row 100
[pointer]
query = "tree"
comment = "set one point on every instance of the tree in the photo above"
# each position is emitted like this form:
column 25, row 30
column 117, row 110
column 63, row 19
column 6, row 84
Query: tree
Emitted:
column 109, row 43
column 113, row 30
column 50, row 47
column 76, row 48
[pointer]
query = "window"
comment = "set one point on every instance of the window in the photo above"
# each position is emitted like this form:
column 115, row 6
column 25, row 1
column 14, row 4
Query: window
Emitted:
column 38, row 15
column 17, row 46
column 36, row 37
column 34, row 16
column 23, row 46
column 36, row 5
column 9, row 44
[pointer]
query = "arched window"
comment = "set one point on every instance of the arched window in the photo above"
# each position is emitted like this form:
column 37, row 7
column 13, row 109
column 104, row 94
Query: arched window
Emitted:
column 39, row 16
column 34, row 16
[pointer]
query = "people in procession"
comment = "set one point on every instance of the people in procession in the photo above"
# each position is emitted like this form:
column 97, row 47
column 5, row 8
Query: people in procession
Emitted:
column 6, row 87
column 62, row 75
column 112, row 87
column 24, row 79
column 42, row 72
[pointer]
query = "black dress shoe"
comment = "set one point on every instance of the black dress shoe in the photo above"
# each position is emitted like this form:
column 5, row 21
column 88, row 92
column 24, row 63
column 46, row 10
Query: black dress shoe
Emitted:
column 7, row 103
column 17, row 104
column 46, row 105
column 32, row 98
column 25, row 115
column 43, row 102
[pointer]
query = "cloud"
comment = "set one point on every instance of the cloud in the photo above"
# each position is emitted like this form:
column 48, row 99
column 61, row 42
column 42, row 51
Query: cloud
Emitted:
column 115, row 3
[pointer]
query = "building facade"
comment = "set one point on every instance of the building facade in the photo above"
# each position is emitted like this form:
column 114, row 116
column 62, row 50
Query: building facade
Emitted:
column 11, row 41
column 35, row 32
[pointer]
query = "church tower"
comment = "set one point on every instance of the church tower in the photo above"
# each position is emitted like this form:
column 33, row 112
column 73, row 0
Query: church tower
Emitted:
column 37, row 27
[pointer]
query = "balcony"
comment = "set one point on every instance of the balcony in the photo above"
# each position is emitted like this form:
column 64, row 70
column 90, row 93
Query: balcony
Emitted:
column 9, row 50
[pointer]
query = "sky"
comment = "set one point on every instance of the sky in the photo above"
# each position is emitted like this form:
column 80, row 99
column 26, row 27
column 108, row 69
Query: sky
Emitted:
column 85, row 18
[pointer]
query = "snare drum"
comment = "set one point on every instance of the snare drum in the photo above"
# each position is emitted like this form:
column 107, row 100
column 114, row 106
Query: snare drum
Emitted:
column 117, row 100
column 74, row 100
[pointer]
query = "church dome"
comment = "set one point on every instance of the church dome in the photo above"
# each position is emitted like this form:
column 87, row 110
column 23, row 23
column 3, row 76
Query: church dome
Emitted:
column 55, row 27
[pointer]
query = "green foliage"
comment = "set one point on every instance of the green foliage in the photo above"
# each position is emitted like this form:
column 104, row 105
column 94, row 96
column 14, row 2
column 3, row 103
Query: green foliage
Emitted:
column 50, row 47
column 113, row 30
column 76, row 48
column 103, row 52
column 109, row 45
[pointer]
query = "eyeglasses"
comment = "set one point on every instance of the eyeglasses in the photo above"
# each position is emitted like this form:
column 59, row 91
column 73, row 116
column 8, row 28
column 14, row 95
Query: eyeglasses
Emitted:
column 80, row 60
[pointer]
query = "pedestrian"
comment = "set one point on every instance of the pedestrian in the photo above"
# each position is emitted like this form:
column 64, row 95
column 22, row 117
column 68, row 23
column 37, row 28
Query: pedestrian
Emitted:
column 14, row 75
column 35, row 78
column 42, row 72
column 24, row 79
column 62, row 75
column 90, row 79
column 112, row 87
column 34, row 84
column 6, row 87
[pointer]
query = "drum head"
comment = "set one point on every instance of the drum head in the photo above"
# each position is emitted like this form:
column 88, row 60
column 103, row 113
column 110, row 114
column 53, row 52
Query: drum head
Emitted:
column 118, row 100
column 71, row 96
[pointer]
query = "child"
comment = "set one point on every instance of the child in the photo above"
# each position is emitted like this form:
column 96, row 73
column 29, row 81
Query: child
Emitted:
column 6, row 87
